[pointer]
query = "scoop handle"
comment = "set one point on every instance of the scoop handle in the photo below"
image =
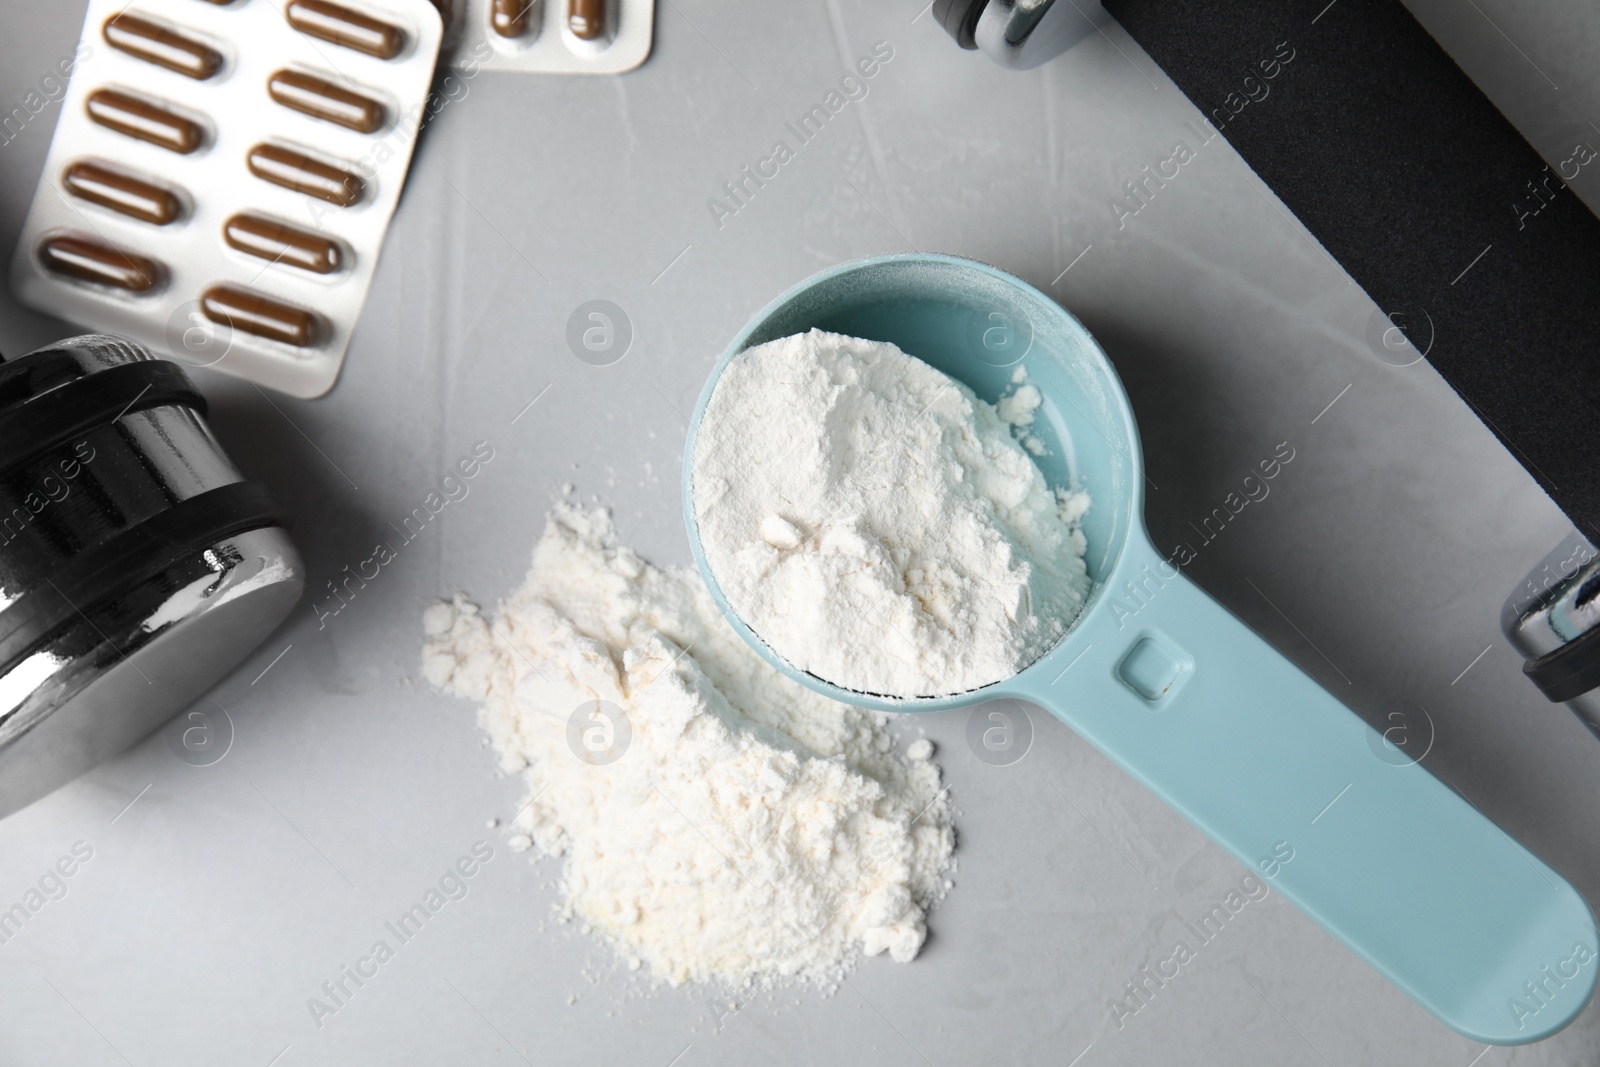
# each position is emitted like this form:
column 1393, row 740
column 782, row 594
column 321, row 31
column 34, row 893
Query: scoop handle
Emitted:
column 1183, row 696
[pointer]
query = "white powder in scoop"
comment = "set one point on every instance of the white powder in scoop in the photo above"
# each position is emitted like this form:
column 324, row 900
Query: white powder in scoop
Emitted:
column 750, row 831
column 1019, row 406
column 877, row 524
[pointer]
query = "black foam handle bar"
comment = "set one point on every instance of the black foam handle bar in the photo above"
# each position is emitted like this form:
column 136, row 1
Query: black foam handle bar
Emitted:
column 1424, row 193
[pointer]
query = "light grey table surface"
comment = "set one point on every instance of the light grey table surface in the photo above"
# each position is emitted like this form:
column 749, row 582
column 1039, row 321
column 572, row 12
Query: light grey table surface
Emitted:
column 217, row 903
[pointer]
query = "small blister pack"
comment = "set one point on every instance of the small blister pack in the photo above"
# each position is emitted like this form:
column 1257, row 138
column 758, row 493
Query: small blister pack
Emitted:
column 549, row 36
column 223, row 174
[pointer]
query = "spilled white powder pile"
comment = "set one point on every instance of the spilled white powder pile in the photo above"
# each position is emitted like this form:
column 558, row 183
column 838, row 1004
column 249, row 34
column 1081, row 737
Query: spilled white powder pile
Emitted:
column 751, row 831
column 877, row 524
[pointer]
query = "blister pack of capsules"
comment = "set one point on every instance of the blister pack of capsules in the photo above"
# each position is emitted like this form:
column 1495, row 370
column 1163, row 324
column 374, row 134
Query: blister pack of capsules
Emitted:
column 549, row 36
column 223, row 173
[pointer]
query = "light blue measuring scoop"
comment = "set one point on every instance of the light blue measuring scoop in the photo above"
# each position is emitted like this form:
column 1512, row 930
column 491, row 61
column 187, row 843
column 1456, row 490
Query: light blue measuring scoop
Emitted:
column 1181, row 695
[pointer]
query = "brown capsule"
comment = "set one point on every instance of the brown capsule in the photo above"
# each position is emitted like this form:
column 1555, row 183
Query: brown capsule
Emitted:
column 274, row 241
column 242, row 309
column 141, row 119
column 342, row 26
column 322, row 99
column 587, row 19
column 92, row 261
column 156, row 44
column 509, row 18
column 129, row 196
column 298, row 171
